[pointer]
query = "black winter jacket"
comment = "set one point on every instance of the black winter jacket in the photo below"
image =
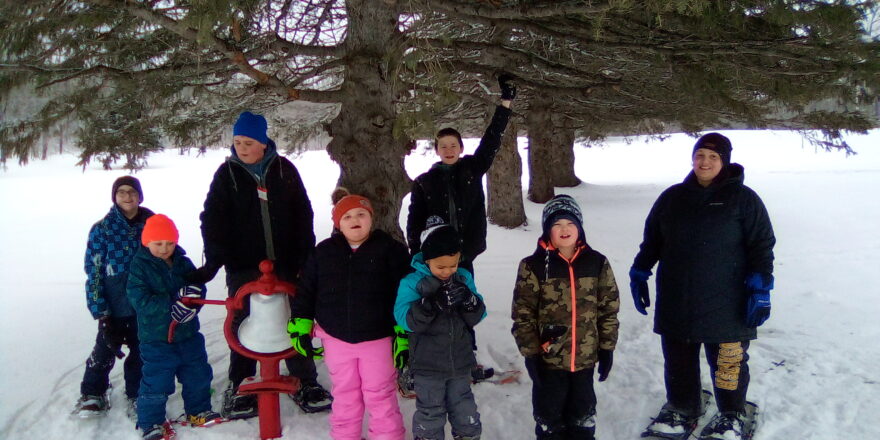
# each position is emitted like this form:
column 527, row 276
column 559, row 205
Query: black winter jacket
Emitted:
column 707, row 241
column 232, row 225
column 351, row 293
column 458, row 190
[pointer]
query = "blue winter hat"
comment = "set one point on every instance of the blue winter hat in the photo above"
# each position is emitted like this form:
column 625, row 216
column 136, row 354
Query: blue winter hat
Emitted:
column 252, row 126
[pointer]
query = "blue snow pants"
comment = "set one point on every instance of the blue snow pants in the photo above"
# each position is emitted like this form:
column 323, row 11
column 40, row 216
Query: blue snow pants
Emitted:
column 96, row 379
column 188, row 361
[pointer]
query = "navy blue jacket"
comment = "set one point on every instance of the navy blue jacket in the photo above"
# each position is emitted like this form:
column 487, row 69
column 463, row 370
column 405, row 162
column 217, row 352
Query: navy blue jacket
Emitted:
column 112, row 243
column 707, row 240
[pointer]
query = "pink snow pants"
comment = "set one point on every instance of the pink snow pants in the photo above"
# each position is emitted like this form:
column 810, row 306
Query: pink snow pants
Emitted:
column 362, row 374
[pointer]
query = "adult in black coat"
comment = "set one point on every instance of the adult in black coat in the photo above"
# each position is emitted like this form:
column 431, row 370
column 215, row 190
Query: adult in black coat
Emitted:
column 257, row 208
column 453, row 188
column 714, row 242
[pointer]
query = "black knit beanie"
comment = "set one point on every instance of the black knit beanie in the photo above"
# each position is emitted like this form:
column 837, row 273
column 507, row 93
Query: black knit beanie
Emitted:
column 439, row 239
column 716, row 142
column 130, row 181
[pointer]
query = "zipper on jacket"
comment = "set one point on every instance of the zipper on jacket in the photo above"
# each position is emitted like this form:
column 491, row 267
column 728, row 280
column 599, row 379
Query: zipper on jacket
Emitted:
column 573, row 291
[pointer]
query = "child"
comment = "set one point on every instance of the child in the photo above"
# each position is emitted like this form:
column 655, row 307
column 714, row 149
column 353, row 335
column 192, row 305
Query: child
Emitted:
column 348, row 286
column 112, row 243
column 453, row 188
column 155, row 287
column 439, row 303
column 565, row 330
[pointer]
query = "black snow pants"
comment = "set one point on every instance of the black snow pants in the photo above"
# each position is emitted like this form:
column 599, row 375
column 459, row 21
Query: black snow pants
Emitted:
column 563, row 402
column 728, row 363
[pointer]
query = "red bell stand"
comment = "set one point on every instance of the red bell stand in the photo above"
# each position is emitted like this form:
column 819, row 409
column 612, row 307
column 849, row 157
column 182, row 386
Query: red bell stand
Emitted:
column 271, row 382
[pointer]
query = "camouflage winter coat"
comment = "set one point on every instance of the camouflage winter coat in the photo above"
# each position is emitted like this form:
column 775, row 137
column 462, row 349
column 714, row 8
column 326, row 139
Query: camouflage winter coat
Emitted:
column 566, row 325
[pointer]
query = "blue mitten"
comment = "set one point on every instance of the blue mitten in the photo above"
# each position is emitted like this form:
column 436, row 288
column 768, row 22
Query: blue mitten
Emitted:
column 758, row 309
column 638, row 284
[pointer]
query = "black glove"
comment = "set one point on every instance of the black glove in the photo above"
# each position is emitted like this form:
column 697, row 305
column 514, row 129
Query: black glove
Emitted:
column 201, row 275
column 112, row 336
column 455, row 292
column 508, row 89
column 533, row 363
column 550, row 334
column 606, row 360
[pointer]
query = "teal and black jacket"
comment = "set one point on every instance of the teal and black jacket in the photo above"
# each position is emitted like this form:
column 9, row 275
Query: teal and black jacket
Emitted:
column 441, row 343
column 152, row 289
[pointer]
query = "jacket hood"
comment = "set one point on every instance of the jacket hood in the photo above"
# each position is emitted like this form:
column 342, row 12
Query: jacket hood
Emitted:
column 418, row 263
column 271, row 152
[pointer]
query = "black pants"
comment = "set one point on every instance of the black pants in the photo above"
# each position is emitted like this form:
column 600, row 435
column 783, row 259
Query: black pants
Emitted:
column 563, row 403
column 242, row 367
column 96, row 379
column 728, row 363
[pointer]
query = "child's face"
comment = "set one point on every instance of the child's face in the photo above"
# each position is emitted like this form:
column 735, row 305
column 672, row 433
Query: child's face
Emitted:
column 128, row 199
column 355, row 225
column 448, row 149
column 248, row 149
column 563, row 234
column 443, row 267
column 163, row 249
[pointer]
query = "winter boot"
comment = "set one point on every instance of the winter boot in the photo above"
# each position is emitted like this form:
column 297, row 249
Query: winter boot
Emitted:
column 724, row 426
column 236, row 407
column 159, row 432
column 131, row 409
column 672, row 424
column 91, row 406
column 312, row 397
column 204, row 418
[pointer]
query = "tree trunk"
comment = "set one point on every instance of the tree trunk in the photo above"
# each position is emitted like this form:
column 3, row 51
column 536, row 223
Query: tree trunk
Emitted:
column 505, row 184
column 563, row 157
column 369, row 157
column 541, row 177
column 45, row 154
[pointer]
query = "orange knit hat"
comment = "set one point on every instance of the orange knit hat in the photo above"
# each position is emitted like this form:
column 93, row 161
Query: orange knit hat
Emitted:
column 348, row 203
column 159, row 227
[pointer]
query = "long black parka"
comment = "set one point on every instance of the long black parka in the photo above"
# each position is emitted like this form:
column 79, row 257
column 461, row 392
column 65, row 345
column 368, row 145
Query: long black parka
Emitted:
column 707, row 240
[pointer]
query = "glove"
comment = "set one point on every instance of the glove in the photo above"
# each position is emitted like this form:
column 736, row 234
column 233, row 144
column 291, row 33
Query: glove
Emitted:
column 300, row 331
column 550, row 334
column 606, row 360
column 201, row 275
column 113, row 338
column 470, row 304
column 508, row 89
column 456, row 293
column 638, row 284
column 400, row 348
column 758, row 308
column 191, row 291
column 181, row 313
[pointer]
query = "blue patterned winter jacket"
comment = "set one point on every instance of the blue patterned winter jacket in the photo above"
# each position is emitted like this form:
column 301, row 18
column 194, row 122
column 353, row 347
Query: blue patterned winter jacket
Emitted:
column 111, row 246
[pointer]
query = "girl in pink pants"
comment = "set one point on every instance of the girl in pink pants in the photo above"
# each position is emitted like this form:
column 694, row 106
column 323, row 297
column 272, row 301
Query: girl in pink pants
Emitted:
column 348, row 285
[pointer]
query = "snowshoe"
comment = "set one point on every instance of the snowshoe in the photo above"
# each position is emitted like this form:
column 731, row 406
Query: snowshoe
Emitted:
column 406, row 386
column 673, row 425
column 480, row 373
column 160, row 432
column 312, row 397
column 203, row 419
column 503, row 377
column 88, row 407
column 238, row 406
column 732, row 426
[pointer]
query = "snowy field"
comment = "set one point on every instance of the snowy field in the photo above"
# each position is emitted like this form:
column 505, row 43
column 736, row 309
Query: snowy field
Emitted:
column 814, row 366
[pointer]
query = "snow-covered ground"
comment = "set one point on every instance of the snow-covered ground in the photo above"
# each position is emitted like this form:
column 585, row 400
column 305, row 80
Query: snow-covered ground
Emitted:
column 814, row 366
